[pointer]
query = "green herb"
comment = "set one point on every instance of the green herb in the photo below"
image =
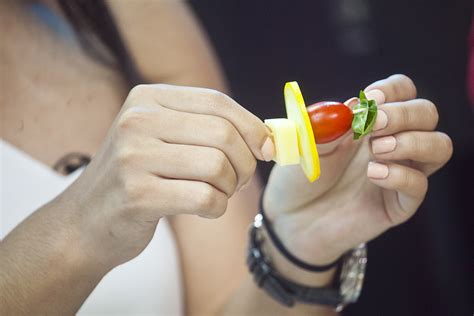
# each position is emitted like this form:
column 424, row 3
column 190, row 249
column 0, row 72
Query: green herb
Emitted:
column 364, row 121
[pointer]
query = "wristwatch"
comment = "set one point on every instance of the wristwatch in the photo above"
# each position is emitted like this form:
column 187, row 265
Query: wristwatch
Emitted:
column 345, row 290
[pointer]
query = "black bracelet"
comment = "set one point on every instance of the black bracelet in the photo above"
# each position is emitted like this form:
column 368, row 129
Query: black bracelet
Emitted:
column 279, row 245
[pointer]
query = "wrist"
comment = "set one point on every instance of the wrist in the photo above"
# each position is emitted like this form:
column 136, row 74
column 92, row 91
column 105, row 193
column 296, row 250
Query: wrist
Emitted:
column 290, row 280
column 292, row 286
column 306, row 240
column 292, row 272
column 76, row 246
column 309, row 237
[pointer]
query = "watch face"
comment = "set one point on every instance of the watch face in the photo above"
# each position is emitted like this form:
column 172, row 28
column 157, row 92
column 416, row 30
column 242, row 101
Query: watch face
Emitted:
column 352, row 274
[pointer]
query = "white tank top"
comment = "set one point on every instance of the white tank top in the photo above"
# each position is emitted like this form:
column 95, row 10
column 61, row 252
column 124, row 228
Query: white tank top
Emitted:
column 150, row 284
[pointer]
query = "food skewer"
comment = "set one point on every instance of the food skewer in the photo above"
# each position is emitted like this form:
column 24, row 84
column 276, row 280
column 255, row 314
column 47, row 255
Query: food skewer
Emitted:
column 295, row 137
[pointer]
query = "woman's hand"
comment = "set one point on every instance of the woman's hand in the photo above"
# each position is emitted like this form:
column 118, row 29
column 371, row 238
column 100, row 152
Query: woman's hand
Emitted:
column 171, row 150
column 366, row 186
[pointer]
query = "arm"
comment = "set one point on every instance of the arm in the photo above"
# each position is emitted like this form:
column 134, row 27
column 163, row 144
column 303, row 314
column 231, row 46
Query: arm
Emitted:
column 145, row 169
column 167, row 43
column 53, row 260
column 229, row 289
column 212, row 252
column 43, row 269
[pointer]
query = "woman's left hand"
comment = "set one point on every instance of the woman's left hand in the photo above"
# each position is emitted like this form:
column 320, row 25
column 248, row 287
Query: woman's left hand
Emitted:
column 366, row 186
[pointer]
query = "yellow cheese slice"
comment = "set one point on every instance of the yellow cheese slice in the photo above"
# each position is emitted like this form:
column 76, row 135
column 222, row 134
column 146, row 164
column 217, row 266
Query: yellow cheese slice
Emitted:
column 296, row 112
column 285, row 140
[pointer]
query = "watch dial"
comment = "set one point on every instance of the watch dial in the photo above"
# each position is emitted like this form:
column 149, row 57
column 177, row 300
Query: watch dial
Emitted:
column 352, row 274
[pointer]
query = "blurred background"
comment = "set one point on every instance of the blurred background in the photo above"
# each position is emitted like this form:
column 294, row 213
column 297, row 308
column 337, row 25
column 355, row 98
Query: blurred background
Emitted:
column 334, row 48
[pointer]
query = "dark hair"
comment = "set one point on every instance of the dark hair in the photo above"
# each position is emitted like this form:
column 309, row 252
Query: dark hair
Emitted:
column 98, row 34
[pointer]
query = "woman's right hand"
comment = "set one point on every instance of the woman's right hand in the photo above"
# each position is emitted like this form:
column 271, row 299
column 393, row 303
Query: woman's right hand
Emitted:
column 171, row 150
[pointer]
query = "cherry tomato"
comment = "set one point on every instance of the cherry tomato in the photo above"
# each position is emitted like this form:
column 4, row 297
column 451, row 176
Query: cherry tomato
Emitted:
column 330, row 120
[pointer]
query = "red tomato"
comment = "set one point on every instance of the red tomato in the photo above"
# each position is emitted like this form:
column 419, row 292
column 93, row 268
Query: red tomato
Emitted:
column 330, row 120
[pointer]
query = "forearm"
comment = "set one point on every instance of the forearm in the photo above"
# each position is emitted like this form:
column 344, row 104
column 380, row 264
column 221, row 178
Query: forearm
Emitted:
column 43, row 269
column 248, row 299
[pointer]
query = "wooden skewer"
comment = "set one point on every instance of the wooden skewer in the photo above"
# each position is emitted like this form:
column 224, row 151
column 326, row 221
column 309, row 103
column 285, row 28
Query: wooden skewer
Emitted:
column 358, row 111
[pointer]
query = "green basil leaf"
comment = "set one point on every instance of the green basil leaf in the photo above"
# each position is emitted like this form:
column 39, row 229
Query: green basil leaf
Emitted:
column 358, row 122
column 364, row 121
column 371, row 117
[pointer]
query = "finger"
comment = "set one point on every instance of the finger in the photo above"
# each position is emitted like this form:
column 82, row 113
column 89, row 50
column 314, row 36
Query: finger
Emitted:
column 405, row 189
column 175, row 196
column 211, row 102
column 188, row 162
column 375, row 94
column 431, row 148
column 212, row 131
column 352, row 102
column 198, row 163
column 418, row 114
column 184, row 128
column 395, row 88
column 430, row 168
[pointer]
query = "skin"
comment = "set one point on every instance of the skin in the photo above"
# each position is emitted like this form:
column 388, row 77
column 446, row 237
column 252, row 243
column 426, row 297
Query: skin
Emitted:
column 362, row 192
column 141, row 169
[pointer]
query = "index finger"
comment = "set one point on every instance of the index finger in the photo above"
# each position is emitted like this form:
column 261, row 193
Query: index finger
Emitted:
column 396, row 88
column 212, row 102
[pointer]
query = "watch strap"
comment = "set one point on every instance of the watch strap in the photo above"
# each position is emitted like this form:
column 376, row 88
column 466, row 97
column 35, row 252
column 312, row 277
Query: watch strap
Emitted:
column 281, row 289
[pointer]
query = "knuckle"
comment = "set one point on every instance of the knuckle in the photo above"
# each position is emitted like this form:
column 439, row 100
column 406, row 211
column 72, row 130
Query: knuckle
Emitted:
column 125, row 156
column 138, row 91
column 219, row 209
column 404, row 83
column 397, row 85
column 133, row 193
column 432, row 110
column 405, row 179
column 219, row 166
column 211, row 202
column 405, row 143
column 400, row 177
column 233, row 183
column 129, row 119
column 225, row 132
column 399, row 77
column 404, row 116
column 421, row 147
column 412, row 181
column 403, row 78
column 252, row 166
column 218, row 97
column 414, row 142
column 206, row 198
column 447, row 146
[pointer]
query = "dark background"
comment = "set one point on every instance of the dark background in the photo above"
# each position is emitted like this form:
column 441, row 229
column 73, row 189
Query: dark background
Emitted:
column 333, row 48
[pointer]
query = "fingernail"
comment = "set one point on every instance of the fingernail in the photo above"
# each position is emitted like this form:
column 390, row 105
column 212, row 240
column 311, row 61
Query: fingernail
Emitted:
column 384, row 144
column 268, row 150
column 351, row 102
column 377, row 170
column 381, row 121
column 376, row 95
